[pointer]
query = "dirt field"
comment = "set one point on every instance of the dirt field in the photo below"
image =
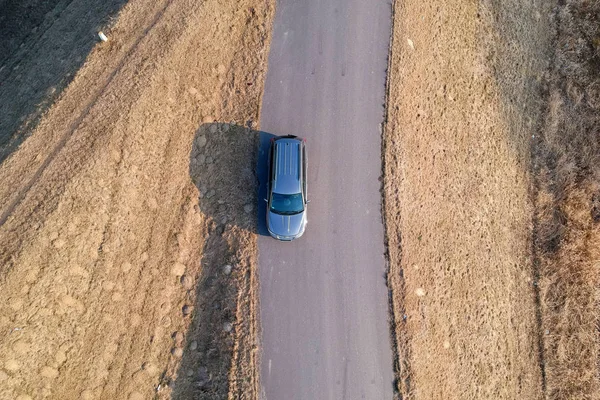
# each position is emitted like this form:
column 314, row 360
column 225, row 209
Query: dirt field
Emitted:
column 127, row 216
column 464, row 101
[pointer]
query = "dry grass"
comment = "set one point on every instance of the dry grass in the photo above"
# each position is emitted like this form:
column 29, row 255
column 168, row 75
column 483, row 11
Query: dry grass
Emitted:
column 463, row 104
column 567, row 229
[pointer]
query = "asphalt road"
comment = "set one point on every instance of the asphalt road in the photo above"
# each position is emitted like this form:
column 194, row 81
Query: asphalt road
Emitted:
column 325, row 332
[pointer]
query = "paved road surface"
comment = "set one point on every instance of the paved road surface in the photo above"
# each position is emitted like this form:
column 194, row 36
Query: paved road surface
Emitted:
column 323, row 297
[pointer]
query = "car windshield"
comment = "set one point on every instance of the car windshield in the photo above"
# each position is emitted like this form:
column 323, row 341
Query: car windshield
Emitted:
column 287, row 204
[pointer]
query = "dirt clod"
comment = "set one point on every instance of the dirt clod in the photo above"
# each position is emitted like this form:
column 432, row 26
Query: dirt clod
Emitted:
column 186, row 281
column 178, row 337
column 177, row 352
column 49, row 372
column 178, row 269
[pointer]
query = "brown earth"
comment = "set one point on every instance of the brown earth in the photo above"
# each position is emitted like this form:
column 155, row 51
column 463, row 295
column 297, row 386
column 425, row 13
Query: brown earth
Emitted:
column 464, row 100
column 113, row 237
column 43, row 44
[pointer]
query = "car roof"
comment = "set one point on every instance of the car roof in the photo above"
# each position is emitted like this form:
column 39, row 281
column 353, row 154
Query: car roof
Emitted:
column 287, row 164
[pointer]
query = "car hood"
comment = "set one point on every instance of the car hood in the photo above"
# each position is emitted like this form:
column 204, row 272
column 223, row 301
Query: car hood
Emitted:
column 285, row 225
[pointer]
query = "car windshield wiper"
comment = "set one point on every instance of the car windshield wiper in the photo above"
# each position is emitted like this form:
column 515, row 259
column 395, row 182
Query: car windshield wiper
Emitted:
column 287, row 212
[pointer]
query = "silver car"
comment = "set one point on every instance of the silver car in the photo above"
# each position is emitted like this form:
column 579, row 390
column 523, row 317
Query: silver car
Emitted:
column 286, row 202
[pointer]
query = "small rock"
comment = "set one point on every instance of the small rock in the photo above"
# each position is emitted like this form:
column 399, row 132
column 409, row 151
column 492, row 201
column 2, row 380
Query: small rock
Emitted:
column 224, row 220
column 102, row 36
column 49, row 372
column 227, row 327
column 227, row 269
column 209, row 160
column 248, row 208
column 20, row 347
column 150, row 368
column 213, row 128
column 201, row 141
column 186, row 282
column 193, row 345
column 210, row 193
column 201, row 383
column 203, row 377
column 446, row 344
column 190, row 372
column 209, row 282
column 178, row 269
column 135, row 320
column 203, row 373
column 178, row 337
column 193, row 91
column 152, row 203
column 420, row 292
column 136, row 396
column 87, row 394
column 187, row 309
column 177, row 352
column 410, row 43
column 201, row 159
column 12, row 365
column 60, row 357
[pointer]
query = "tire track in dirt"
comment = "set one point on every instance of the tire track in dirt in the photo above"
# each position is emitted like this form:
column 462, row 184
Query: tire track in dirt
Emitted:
column 77, row 123
column 31, row 44
column 39, row 75
column 142, row 286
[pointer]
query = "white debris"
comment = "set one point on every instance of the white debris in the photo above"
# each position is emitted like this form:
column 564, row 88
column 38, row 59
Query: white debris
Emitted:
column 102, row 36
column 410, row 43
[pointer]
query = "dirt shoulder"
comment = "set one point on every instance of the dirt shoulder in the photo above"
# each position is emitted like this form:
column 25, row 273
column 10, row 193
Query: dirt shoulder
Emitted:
column 112, row 229
column 465, row 83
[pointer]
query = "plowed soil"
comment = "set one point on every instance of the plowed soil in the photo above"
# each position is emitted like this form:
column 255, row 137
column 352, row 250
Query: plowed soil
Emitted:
column 127, row 216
